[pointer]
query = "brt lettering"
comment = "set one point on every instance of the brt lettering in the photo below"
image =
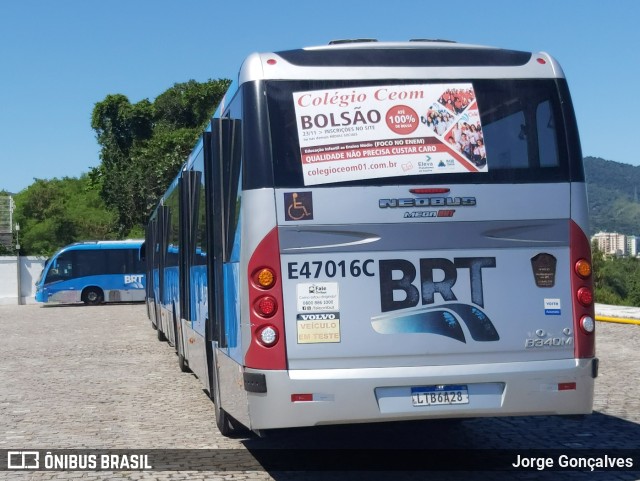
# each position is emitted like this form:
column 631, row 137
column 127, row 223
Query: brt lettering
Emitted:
column 397, row 275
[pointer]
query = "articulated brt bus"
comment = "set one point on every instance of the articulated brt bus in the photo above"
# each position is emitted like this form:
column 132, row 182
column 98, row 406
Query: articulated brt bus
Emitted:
column 94, row 272
column 381, row 231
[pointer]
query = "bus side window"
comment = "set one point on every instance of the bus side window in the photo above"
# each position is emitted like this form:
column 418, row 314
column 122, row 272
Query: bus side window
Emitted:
column 547, row 145
column 506, row 141
column 62, row 268
column 90, row 262
column 53, row 274
column 234, row 193
column 231, row 172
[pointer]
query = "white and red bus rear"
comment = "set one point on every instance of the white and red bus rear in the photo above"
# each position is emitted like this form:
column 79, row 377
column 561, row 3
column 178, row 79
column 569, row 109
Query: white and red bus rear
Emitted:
column 387, row 231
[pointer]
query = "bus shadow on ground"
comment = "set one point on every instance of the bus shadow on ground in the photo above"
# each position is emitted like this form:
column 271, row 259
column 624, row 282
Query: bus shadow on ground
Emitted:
column 481, row 448
column 82, row 304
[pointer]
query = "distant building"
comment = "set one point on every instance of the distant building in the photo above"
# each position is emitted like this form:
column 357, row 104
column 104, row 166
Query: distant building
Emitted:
column 633, row 245
column 611, row 243
column 6, row 220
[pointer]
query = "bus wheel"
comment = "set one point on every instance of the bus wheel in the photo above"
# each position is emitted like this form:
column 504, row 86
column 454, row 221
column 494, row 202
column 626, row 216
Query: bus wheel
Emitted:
column 92, row 296
column 223, row 420
column 182, row 363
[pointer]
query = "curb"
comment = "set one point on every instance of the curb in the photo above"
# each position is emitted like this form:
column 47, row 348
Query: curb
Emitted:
column 619, row 320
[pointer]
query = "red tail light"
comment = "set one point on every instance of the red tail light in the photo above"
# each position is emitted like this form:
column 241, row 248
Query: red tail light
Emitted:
column 431, row 190
column 582, row 288
column 567, row 386
column 267, row 347
column 295, row 398
column 585, row 296
column 266, row 306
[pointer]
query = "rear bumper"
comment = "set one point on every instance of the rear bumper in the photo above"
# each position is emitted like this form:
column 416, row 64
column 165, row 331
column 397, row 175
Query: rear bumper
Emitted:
column 343, row 396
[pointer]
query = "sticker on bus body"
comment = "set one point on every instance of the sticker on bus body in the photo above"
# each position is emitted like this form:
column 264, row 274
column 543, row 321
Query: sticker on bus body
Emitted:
column 544, row 269
column 314, row 328
column 318, row 297
column 298, row 206
column 552, row 307
column 389, row 131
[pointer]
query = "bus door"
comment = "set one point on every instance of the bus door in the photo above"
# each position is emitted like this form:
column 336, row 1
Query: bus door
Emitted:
column 224, row 203
column 148, row 252
column 222, row 172
column 162, row 243
column 193, row 302
column 156, row 266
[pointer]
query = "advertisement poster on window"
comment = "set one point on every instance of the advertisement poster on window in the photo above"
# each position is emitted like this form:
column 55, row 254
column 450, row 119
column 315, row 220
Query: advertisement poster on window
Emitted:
column 389, row 131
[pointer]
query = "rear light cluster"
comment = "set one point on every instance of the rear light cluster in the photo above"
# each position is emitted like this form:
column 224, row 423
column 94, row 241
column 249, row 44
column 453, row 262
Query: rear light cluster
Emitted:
column 582, row 287
column 585, row 294
column 265, row 307
column 267, row 347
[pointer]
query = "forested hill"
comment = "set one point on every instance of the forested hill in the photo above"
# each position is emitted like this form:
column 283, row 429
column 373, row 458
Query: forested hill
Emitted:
column 614, row 196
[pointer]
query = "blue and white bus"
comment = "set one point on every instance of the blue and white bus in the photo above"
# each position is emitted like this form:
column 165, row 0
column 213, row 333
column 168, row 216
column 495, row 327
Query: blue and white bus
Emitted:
column 94, row 272
column 370, row 232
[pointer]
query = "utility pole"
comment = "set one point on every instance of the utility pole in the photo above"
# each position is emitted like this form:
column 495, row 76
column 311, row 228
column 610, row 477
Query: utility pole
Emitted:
column 18, row 264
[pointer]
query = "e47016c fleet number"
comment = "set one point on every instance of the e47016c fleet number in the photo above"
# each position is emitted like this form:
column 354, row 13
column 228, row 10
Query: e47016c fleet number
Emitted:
column 330, row 269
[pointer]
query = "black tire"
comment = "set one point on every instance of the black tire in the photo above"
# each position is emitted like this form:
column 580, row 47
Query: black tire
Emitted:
column 182, row 363
column 223, row 420
column 161, row 336
column 93, row 296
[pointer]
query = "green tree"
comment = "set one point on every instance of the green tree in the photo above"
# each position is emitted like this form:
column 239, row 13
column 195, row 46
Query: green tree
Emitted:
column 616, row 280
column 189, row 104
column 144, row 144
column 120, row 126
column 57, row 212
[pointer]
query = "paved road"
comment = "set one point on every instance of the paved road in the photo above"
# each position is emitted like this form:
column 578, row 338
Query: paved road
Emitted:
column 76, row 377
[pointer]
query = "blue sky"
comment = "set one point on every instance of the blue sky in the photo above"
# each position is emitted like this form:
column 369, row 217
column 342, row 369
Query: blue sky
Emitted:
column 58, row 58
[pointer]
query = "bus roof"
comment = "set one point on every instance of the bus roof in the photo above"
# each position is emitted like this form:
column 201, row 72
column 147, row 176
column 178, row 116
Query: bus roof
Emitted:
column 414, row 59
column 370, row 59
column 102, row 244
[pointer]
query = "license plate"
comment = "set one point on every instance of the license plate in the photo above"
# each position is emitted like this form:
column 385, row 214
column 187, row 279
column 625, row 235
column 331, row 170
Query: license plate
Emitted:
column 439, row 395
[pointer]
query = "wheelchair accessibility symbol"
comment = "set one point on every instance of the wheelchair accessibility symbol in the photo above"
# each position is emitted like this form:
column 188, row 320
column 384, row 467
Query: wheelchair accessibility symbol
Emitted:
column 298, row 206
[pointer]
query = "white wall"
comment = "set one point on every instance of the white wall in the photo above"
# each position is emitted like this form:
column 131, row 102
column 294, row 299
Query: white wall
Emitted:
column 30, row 268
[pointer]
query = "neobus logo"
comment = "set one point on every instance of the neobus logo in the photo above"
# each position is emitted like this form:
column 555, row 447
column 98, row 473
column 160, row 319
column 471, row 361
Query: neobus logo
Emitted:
column 427, row 202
